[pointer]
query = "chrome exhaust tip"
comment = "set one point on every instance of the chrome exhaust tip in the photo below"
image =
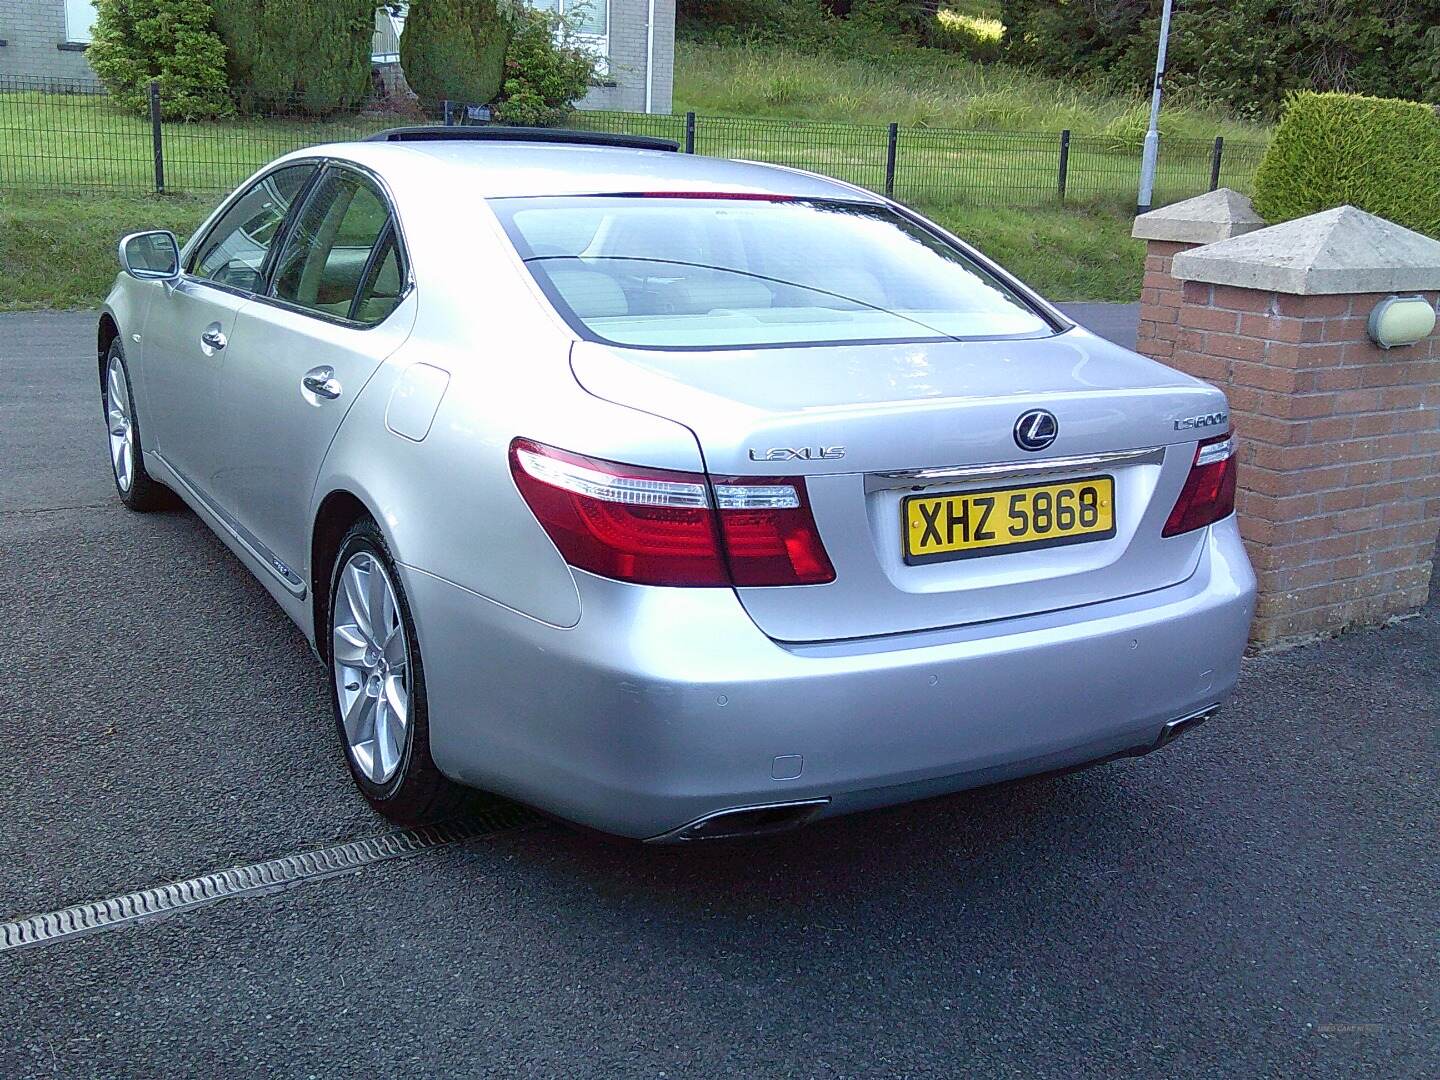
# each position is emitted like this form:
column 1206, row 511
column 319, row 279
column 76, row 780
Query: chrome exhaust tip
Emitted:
column 1175, row 728
column 745, row 821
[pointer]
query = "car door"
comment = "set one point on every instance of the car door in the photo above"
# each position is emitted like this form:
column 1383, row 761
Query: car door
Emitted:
column 190, row 327
column 333, row 311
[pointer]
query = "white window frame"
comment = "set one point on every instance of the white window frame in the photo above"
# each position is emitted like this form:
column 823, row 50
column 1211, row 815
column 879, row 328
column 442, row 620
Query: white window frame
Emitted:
column 598, row 44
column 80, row 18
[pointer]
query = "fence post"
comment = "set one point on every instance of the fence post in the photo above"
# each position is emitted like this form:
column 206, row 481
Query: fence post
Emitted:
column 689, row 133
column 1064, row 176
column 892, row 139
column 1215, row 153
column 157, row 145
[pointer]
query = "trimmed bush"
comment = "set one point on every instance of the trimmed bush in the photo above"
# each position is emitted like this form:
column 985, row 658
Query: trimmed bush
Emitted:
column 171, row 41
column 455, row 49
column 1378, row 154
column 547, row 70
column 306, row 56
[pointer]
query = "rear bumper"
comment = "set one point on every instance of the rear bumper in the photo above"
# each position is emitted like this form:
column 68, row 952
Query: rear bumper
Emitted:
column 663, row 706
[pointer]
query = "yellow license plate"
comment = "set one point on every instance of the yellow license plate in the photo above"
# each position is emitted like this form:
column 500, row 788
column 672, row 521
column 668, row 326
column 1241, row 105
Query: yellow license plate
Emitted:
column 966, row 524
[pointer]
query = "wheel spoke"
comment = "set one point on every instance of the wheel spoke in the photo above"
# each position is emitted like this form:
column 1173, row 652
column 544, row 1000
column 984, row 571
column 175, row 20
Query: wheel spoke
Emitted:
column 394, row 649
column 378, row 605
column 348, row 645
column 355, row 597
column 383, row 753
column 359, row 719
column 397, row 696
column 118, row 398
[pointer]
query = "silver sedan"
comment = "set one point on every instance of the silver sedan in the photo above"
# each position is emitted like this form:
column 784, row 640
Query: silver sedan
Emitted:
column 678, row 497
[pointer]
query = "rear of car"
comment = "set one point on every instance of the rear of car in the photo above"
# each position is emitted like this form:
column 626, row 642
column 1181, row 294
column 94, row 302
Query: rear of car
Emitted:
column 936, row 537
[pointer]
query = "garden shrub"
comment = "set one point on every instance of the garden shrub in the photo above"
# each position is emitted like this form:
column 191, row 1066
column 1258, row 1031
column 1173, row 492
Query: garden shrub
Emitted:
column 171, row 41
column 307, row 56
column 547, row 70
column 1331, row 149
column 455, row 49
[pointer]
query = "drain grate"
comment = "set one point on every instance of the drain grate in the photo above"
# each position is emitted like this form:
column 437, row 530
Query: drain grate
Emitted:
column 263, row 877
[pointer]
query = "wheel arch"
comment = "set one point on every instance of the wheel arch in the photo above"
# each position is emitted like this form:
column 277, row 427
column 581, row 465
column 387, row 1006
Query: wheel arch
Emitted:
column 337, row 512
column 106, row 333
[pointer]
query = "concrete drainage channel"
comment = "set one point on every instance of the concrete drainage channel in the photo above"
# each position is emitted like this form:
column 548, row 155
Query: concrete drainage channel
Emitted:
column 255, row 879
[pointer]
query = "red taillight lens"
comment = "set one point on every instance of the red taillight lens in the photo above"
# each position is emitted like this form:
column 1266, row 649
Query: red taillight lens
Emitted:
column 769, row 531
column 1209, row 491
column 656, row 527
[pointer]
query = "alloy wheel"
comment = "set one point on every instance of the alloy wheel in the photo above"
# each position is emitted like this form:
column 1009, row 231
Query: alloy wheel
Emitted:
column 370, row 656
column 120, row 424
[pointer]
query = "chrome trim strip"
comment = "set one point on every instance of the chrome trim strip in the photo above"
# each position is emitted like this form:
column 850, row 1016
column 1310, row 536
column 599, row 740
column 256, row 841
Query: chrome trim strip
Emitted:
column 680, row 834
column 1024, row 468
column 248, row 540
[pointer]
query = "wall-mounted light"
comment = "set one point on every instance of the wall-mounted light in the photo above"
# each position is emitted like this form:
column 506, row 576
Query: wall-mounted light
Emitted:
column 1401, row 320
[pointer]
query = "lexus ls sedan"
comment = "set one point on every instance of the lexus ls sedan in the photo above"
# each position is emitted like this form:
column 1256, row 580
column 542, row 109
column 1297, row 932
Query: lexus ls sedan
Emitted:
column 676, row 497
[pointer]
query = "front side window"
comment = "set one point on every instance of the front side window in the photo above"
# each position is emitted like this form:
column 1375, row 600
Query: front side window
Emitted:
column 233, row 252
column 733, row 272
column 340, row 257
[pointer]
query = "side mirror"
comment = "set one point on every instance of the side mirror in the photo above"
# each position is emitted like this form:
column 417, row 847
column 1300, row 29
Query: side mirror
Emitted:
column 150, row 256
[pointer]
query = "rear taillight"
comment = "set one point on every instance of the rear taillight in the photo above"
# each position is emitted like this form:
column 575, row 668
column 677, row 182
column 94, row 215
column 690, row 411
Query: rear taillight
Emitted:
column 656, row 527
column 1209, row 491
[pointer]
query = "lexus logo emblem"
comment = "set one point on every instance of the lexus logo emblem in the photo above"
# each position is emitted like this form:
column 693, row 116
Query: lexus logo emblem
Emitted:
column 1036, row 429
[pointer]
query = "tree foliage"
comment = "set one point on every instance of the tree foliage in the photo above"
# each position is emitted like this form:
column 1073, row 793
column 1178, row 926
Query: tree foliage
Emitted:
column 1248, row 54
column 455, row 49
column 309, row 56
column 170, row 41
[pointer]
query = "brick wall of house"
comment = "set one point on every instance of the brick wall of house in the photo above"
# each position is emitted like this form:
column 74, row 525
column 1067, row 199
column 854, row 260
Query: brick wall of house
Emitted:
column 34, row 33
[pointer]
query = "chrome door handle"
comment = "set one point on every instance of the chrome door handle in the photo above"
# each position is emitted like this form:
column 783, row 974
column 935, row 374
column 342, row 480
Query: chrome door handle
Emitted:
column 213, row 338
column 321, row 382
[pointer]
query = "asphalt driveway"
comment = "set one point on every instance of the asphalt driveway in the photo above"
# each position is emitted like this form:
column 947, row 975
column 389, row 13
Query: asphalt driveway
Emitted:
column 1260, row 898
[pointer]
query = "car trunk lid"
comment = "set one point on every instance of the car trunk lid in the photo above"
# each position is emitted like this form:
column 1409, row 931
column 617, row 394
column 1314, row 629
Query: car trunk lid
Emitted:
column 869, row 425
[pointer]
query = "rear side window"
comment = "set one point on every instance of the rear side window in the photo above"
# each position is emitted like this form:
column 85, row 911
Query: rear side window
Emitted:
column 340, row 257
column 718, row 272
column 233, row 252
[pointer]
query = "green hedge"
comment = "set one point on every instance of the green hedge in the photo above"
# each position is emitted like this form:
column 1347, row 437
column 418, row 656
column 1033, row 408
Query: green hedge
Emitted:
column 1379, row 154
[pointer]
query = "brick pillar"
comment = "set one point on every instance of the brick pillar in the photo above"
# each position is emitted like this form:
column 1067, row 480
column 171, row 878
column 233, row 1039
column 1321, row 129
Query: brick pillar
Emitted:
column 1339, row 443
column 1218, row 215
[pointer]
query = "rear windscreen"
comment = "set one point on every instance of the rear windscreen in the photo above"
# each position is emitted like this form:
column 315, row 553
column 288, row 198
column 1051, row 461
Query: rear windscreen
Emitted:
column 717, row 272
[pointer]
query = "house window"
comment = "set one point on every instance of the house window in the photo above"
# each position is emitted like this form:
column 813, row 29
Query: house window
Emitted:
column 79, row 21
column 591, row 20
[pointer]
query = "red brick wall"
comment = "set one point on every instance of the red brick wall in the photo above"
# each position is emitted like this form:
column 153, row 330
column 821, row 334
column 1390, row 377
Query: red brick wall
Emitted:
column 1339, row 447
column 1160, row 301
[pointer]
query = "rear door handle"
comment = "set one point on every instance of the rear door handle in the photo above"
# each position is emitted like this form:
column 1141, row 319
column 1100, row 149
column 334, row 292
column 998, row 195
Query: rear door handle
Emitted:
column 212, row 339
column 321, row 382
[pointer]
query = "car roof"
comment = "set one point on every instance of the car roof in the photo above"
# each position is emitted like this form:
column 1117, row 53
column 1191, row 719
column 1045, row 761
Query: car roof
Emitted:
column 507, row 169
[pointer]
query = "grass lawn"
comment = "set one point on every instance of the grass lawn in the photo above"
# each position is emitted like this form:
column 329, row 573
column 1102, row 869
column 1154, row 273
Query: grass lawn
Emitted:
column 925, row 88
column 978, row 150
column 58, row 250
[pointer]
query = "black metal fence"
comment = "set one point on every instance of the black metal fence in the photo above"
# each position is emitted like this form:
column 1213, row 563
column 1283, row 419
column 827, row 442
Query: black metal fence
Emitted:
column 68, row 135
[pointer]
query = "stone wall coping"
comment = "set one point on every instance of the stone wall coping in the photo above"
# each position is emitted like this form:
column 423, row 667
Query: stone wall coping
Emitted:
column 1344, row 250
column 1205, row 219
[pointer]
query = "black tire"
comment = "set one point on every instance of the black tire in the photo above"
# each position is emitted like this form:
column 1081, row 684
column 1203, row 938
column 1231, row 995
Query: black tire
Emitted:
column 144, row 493
column 417, row 791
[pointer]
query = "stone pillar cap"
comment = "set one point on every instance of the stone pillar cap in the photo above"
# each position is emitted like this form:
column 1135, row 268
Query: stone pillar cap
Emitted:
column 1216, row 215
column 1344, row 250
